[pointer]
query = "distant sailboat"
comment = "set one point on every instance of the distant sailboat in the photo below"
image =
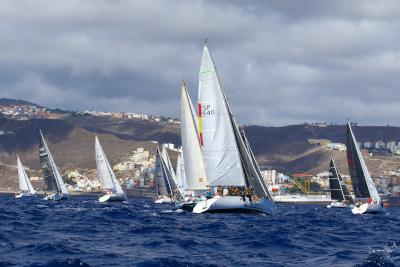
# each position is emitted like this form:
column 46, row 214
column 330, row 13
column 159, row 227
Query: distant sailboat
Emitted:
column 51, row 174
column 363, row 186
column 229, row 160
column 108, row 180
column 165, row 184
column 340, row 195
column 25, row 186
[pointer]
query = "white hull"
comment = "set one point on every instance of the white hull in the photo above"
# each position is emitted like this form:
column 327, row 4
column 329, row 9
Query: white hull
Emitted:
column 368, row 208
column 163, row 200
column 24, row 194
column 302, row 199
column 339, row 204
column 112, row 197
column 56, row 197
column 234, row 203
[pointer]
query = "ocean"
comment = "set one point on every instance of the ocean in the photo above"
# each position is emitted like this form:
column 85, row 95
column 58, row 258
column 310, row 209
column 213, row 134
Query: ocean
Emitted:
column 82, row 232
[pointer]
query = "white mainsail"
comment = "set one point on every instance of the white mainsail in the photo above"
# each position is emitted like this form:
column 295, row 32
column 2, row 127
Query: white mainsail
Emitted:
column 106, row 175
column 24, row 182
column 358, row 169
column 219, row 147
column 192, row 154
column 61, row 188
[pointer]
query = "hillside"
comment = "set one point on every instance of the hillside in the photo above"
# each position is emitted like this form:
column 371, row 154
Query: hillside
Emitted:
column 71, row 139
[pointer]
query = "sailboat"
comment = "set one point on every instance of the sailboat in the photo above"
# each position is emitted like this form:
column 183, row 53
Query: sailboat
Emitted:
column 25, row 186
column 51, row 174
column 108, row 180
column 165, row 184
column 366, row 194
column 340, row 195
column 228, row 158
column 194, row 170
column 180, row 174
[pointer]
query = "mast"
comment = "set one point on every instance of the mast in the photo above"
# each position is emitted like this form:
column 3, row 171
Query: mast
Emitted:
column 363, row 185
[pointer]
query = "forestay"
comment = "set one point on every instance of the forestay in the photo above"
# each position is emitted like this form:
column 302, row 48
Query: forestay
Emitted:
column 24, row 182
column 363, row 185
column 108, row 180
column 219, row 148
column 192, row 155
column 51, row 174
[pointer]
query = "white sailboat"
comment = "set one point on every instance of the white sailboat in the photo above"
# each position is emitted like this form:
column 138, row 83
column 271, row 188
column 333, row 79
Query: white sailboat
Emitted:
column 25, row 186
column 340, row 195
column 228, row 158
column 366, row 194
column 51, row 174
column 165, row 184
column 108, row 181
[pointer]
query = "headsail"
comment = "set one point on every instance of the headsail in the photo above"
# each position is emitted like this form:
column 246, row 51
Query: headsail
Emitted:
column 51, row 174
column 337, row 186
column 180, row 173
column 164, row 181
column 168, row 164
column 363, row 185
column 107, row 178
column 192, row 155
column 220, row 150
column 24, row 182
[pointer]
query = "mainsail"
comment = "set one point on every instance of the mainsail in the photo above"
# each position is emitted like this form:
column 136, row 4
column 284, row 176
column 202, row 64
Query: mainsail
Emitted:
column 51, row 175
column 108, row 180
column 192, row 155
column 168, row 164
column 363, row 185
column 337, row 186
column 24, row 182
column 219, row 146
column 163, row 178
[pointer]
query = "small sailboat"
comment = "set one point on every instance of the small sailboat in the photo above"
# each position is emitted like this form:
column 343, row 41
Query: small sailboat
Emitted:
column 108, row 181
column 366, row 195
column 51, row 174
column 340, row 195
column 165, row 184
column 229, row 160
column 25, row 186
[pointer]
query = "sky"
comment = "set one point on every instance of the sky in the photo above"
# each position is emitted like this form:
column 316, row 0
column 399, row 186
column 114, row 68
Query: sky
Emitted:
column 280, row 62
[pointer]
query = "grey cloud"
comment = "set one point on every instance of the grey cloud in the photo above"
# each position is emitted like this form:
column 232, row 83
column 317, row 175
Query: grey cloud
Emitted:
column 280, row 62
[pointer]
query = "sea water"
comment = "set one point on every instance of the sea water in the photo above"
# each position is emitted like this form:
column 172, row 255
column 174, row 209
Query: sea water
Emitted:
column 83, row 232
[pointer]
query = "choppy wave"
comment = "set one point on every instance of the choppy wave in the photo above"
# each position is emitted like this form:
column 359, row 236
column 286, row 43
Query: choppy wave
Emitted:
column 82, row 232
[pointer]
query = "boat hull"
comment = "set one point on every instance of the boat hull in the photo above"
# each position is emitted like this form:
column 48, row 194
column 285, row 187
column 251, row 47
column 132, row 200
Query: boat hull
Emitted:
column 56, row 197
column 338, row 204
column 234, row 204
column 368, row 208
column 24, row 194
column 112, row 197
column 188, row 206
column 163, row 200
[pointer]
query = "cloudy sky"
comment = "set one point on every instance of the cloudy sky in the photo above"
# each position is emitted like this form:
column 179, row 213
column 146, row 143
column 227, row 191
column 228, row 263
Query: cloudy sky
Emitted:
column 281, row 62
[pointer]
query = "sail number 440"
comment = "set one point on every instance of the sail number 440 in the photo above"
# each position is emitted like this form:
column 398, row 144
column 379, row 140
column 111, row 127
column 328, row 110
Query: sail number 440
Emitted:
column 207, row 110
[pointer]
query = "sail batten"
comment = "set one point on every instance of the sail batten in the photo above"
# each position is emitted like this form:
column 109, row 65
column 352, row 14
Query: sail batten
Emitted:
column 108, row 180
column 363, row 185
